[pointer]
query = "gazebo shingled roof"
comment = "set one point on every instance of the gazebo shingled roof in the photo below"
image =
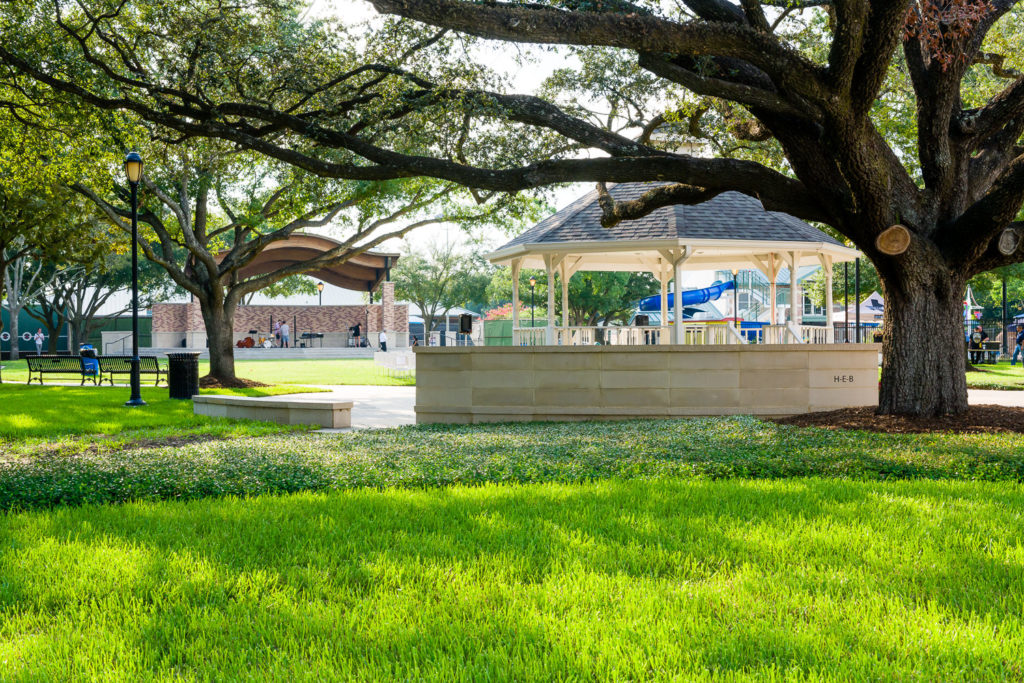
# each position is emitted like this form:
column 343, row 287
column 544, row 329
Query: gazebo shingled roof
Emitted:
column 719, row 224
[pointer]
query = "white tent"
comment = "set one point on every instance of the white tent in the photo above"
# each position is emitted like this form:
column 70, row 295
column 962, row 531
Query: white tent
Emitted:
column 871, row 309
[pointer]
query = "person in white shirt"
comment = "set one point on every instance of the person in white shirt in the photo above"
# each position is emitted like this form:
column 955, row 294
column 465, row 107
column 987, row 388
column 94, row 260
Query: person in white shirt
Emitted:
column 39, row 337
column 284, row 334
column 383, row 340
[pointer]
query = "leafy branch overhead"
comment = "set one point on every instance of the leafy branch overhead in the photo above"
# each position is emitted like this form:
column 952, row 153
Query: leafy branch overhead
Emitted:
column 859, row 114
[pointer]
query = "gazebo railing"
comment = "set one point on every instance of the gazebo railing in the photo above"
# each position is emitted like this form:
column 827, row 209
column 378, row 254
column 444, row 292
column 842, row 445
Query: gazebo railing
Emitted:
column 694, row 334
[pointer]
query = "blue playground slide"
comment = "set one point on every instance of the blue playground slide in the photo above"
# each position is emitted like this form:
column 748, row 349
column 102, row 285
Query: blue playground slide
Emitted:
column 690, row 298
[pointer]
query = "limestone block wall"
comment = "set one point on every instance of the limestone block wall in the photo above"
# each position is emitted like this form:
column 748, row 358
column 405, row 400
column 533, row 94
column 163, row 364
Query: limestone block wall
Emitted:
column 495, row 384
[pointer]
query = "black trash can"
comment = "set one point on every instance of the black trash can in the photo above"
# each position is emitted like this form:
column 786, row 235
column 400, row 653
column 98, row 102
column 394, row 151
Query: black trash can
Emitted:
column 183, row 374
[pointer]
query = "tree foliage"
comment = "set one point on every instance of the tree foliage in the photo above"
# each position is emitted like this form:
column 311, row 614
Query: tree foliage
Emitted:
column 816, row 93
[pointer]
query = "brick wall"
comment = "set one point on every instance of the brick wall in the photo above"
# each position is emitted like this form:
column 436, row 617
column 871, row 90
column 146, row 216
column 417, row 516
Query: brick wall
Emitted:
column 326, row 319
column 170, row 317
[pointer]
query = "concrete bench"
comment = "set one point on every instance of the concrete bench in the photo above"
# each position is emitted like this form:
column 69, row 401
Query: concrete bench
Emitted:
column 280, row 409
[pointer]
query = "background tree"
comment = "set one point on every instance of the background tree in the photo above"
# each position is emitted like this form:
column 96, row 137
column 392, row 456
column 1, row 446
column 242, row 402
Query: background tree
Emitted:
column 76, row 293
column 210, row 211
column 437, row 280
column 595, row 298
column 812, row 80
column 293, row 285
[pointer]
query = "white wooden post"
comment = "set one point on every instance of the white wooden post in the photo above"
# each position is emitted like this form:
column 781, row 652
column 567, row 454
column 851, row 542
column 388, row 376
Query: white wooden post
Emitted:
column 677, row 300
column 549, row 264
column 565, row 301
column 826, row 265
column 664, row 273
column 516, row 266
column 796, row 303
column 773, row 275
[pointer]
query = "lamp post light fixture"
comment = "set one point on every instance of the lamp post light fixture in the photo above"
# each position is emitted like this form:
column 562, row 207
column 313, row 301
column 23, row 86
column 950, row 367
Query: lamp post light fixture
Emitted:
column 133, row 171
column 320, row 291
column 533, row 283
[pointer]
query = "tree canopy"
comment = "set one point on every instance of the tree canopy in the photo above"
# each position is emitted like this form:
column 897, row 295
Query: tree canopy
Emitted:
column 865, row 115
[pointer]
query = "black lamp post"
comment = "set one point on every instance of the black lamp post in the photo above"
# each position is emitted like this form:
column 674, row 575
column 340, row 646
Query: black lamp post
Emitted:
column 320, row 290
column 533, row 283
column 133, row 169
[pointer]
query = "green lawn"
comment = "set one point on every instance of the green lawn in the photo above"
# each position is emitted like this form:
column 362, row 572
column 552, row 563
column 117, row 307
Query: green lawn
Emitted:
column 615, row 580
column 73, row 418
column 341, row 371
column 999, row 376
column 415, row 457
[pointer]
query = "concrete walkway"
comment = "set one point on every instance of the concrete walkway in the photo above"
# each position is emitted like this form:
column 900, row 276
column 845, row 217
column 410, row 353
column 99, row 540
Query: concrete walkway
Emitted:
column 978, row 397
column 375, row 406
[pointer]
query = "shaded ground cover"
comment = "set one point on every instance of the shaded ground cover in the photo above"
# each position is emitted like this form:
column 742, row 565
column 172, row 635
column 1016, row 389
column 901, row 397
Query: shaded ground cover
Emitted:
column 429, row 456
column 977, row 420
column 276, row 372
column 51, row 419
column 998, row 376
column 615, row 580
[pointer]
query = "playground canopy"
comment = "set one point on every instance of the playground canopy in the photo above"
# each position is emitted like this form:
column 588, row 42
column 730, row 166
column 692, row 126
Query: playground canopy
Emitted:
column 732, row 231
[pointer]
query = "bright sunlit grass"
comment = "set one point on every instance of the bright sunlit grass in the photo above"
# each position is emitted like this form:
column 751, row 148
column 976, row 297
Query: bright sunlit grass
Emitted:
column 33, row 413
column 999, row 376
column 298, row 371
column 639, row 580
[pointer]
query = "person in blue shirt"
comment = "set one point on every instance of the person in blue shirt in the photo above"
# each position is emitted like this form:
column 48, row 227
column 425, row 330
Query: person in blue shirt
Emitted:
column 1018, row 347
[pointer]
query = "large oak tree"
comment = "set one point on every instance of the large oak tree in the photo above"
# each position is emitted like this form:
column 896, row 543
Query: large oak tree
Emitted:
column 368, row 110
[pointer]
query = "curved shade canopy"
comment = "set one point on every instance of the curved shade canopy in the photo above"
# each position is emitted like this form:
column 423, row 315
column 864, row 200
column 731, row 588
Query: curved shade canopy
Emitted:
column 361, row 273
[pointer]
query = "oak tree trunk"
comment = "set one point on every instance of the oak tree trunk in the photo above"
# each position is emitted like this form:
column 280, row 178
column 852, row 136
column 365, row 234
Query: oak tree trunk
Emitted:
column 923, row 348
column 220, row 323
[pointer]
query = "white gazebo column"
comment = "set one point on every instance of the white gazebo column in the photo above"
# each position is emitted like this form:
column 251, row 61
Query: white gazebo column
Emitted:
column 549, row 265
column 676, row 257
column 664, row 275
column 773, row 275
column 795, row 301
column 516, row 265
column 564, row 276
column 826, row 265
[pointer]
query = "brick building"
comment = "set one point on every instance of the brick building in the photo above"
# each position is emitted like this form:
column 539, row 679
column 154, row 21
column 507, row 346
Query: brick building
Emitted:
column 181, row 324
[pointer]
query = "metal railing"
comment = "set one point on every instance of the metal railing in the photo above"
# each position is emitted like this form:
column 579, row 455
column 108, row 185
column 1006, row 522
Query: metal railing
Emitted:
column 693, row 334
column 121, row 341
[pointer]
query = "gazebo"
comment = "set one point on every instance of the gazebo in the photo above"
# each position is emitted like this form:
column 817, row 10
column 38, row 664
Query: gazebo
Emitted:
column 732, row 231
column 611, row 373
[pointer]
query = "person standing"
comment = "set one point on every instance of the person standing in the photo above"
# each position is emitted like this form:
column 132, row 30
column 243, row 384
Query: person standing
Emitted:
column 383, row 338
column 277, row 332
column 39, row 337
column 285, row 331
column 1019, row 347
column 978, row 338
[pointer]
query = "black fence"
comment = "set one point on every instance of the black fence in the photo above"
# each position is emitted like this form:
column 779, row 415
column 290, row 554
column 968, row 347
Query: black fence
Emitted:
column 848, row 334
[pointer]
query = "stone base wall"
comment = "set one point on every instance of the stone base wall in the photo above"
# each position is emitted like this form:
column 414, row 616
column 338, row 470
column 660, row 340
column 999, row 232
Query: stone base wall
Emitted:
column 499, row 384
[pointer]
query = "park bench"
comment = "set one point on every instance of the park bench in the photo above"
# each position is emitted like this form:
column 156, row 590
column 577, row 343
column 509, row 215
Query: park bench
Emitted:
column 57, row 365
column 122, row 365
